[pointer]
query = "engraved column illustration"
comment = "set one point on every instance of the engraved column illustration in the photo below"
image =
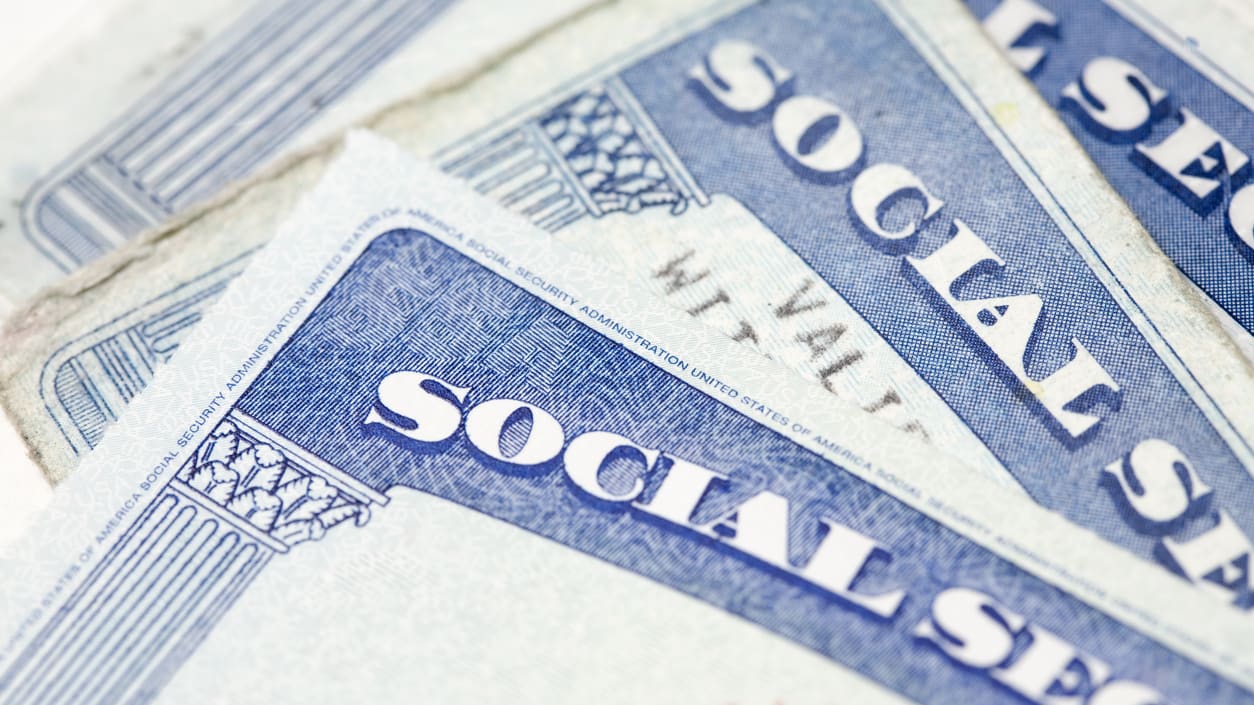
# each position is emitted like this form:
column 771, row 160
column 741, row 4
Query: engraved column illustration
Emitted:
column 596, row 153
column 246, row 496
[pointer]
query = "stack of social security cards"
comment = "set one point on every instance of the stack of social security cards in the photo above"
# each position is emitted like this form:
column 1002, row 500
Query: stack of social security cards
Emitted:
column 858, row 352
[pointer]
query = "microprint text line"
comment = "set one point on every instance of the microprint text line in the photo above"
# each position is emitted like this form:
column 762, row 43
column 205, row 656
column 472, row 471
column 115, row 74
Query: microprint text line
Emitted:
column 636, row 342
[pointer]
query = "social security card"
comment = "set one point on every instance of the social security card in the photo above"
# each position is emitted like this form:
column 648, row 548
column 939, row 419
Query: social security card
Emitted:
column 1159, row 93
column 886, row 151
column 403, row 335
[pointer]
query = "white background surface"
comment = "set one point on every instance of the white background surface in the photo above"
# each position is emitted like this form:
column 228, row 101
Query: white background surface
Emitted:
column 32, row 32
